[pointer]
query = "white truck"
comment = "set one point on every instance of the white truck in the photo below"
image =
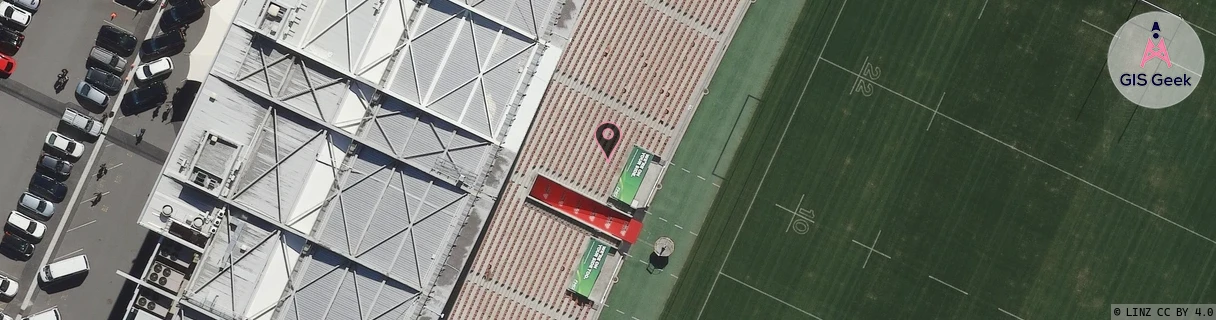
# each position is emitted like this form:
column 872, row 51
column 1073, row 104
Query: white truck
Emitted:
column 82, row 122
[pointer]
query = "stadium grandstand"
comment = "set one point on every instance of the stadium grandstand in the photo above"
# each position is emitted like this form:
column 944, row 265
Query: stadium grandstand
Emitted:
column 342, row 157
column 566, row 214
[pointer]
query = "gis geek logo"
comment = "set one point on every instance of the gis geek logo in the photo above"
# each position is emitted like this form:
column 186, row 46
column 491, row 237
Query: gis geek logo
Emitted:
column 1155, row 60
column 1155, row 51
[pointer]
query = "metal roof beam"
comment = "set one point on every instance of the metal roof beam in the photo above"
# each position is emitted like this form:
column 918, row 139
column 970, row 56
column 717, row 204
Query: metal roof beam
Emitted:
column 360, row 140
column 311, row 240
column 347, row 73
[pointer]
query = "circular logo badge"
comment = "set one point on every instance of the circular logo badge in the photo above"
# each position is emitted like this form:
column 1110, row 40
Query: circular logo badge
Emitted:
column 1155, row 60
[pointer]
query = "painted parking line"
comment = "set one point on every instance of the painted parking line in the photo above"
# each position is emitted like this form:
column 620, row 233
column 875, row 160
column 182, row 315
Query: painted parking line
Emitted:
column 60, row 257
column 80, row 226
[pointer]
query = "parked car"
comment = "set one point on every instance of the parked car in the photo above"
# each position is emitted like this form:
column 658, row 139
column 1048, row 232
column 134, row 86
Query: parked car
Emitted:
column 82, row 122
column 14, row 16
column 41, row 208
column 143, row 99
column 7, row 65
column 182, row 14
column 54, row 167
column 154, row 70
column 48, row 188
column 88, row 92
column 64, row 145
column 8, row 287
column 116, row 40
column 28, row 5
column 107, row 60
column 17, row 245
column 62, row 269
column 104, row 81
column 10, row 41
column 164, row 44
column 29, row 228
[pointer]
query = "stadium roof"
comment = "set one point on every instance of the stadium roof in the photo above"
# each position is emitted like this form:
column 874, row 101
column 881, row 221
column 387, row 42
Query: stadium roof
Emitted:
column 341, row 163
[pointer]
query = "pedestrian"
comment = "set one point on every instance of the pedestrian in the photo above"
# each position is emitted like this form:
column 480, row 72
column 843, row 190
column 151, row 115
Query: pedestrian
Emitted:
column 140, row 137
column 102, row 171
column 96, row 198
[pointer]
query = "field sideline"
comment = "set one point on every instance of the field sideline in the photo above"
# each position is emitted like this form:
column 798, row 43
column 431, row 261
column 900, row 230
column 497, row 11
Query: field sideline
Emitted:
column 958, row 159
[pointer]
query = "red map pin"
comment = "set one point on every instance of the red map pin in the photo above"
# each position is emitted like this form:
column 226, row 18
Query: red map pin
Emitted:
column 606, row 136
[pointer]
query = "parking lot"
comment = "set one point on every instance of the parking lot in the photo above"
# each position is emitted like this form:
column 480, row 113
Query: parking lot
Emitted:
column 60, row 37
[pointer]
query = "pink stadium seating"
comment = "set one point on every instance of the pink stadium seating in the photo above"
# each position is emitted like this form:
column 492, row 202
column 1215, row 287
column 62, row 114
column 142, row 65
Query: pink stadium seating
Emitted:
column 648, row 64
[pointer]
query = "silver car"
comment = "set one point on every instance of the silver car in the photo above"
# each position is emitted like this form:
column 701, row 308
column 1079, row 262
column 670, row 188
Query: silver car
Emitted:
column 86, row 91
column 33, row 204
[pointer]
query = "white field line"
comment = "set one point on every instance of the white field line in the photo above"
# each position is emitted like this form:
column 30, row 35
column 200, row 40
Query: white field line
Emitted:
column 948, row 285
column 1014, row 148
column 871, row 248
column 1099, row 28
column 939, row 106
column 797, row 104
column 769, row 295
column 982, row 10
column 1010, row 314
column 1179, row 17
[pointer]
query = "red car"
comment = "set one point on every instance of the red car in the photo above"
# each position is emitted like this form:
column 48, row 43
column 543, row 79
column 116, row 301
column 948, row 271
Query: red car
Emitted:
column 7, row 64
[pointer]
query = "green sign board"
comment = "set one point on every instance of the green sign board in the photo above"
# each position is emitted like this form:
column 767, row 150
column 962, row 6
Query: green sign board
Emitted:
column 631, row 176
column 589, row 268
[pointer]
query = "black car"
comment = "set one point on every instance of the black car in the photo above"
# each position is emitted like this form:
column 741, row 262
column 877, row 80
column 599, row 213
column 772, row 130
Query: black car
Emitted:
column 145, row 98
column 182, row 14
column 54, row 167
column 16, row 245
column 104, row 81
column 10, row 41
column 165, row 44
column 48, row 188
column 117, row 40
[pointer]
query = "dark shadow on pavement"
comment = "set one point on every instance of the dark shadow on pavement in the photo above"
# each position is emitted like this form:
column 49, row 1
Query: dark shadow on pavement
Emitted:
column 65, row 284
column 137, row 269
column 183, row 98
column 74, row 133
column 88, row 105
column 13, row 255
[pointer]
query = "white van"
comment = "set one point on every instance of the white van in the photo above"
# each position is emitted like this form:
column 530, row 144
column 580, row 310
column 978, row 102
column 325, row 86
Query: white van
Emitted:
column 48, row 314
column 65, row 268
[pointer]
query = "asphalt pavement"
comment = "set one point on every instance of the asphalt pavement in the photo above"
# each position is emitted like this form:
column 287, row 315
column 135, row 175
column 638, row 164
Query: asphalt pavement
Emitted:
column 60, row 37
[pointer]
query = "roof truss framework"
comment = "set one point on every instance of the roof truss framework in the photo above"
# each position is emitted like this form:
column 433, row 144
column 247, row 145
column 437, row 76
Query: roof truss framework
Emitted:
column 421, row 137
column 296, row 81
column 391, row 216
column 284, row 152
column 330, row 287
column 225, row 284
column 463, row 67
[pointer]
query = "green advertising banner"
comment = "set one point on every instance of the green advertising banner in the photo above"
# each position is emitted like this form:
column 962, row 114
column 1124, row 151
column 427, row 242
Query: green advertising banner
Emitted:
column 589, row 268
column 631, row 176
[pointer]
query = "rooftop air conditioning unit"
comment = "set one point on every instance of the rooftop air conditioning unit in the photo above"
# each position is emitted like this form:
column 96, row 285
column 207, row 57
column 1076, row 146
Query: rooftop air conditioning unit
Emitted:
column 274, row 12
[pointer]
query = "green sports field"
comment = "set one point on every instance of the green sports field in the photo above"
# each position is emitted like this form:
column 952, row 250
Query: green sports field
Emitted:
column 985, row 169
